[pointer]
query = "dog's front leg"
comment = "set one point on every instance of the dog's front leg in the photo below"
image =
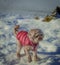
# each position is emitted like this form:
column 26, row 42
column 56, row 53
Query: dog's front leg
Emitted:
column 27, row 51
column 35, row 57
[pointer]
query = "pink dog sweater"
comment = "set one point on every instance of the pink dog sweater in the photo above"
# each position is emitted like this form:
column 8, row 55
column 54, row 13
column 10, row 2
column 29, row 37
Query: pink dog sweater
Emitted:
column 24, row 39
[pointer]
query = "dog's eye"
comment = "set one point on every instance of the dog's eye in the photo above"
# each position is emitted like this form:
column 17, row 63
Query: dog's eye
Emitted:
column 36, row 36
column 41, row 34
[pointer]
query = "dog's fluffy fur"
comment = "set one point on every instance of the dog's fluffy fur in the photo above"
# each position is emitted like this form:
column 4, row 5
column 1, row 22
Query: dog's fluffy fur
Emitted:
column 35, row 35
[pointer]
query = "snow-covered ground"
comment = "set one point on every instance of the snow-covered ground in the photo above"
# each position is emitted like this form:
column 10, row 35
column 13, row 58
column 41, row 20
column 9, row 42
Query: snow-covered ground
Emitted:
column 48, row 50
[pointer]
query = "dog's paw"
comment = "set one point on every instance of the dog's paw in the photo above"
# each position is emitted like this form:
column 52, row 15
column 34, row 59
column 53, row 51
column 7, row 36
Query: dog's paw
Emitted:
column 18, row 55
column 36, row 58
column 29, row 58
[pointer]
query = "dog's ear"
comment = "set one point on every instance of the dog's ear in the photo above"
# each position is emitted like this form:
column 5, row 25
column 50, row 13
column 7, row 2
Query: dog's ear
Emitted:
column 31, row 33
column 39, row 33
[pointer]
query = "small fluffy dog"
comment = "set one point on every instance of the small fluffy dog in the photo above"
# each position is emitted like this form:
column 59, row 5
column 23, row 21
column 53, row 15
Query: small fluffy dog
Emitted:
column 28, row 40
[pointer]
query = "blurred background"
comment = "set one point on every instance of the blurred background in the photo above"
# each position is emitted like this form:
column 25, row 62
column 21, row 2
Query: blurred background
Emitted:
column 26, row 7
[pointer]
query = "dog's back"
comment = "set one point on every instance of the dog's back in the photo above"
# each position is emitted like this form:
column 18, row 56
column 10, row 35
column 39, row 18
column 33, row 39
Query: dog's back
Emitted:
column 22, row 37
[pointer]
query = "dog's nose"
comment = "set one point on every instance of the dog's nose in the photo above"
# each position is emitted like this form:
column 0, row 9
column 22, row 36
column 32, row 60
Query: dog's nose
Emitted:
column 40, row 38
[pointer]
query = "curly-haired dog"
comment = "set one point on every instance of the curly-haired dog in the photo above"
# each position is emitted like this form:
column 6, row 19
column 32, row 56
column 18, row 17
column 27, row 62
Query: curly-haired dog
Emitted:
column 28, row 40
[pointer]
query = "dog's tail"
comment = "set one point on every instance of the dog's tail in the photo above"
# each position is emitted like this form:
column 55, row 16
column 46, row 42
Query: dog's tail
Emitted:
column 16, row 29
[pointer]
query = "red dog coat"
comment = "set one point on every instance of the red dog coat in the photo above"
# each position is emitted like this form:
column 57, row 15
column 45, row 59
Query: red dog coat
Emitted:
column 24, row 39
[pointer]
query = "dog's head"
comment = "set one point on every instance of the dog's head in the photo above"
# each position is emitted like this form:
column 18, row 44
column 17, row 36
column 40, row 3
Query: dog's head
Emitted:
column 35, row 35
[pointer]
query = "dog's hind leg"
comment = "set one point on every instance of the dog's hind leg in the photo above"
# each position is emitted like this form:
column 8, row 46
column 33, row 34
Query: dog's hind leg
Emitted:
column 19, row 46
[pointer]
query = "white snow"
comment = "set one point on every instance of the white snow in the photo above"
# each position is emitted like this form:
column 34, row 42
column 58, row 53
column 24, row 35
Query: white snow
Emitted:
column 50, row 43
